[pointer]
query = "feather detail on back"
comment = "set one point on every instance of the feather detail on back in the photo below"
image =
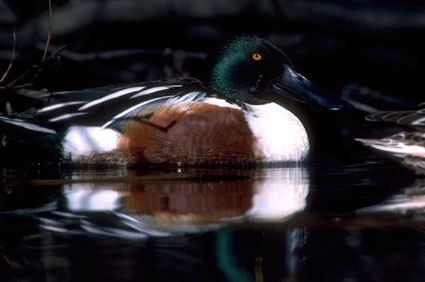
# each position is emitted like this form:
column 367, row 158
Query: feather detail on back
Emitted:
column 116, row 104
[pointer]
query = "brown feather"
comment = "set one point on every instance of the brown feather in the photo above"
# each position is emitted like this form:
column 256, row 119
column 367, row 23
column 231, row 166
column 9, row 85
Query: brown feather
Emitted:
column 190, row 133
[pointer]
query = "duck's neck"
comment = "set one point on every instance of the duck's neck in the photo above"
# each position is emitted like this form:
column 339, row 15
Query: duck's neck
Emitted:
column 221, row 80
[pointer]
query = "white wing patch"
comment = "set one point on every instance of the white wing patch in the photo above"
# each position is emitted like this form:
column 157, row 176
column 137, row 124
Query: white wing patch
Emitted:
column 83, row 140
column 58, row 106
column 66, row 116
column 281, row 137
column 111, row 96
column 191, row 96
column 129, row 110
column 220, row 103
column 154, row 89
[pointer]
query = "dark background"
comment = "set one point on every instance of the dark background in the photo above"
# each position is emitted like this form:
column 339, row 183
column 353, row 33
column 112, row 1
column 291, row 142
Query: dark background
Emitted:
column 367, row 52
column 341, row 45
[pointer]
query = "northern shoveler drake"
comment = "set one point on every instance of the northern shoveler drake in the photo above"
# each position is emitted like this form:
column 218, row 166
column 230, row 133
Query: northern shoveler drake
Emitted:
column 234, row 117
column 407, row 145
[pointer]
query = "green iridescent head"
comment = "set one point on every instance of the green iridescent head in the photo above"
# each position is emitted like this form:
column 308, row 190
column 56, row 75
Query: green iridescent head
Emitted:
column 245, row 66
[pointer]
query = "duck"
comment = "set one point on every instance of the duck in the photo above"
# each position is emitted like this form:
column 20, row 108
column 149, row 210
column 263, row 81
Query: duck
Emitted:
column 236, row 116
column 407, row 144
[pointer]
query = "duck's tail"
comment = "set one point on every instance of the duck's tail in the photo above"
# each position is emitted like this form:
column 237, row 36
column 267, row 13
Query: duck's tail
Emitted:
column 18, row 125
column 24, row 141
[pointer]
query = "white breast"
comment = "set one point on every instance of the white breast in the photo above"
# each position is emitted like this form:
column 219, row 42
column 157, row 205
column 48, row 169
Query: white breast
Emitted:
column 281, row 137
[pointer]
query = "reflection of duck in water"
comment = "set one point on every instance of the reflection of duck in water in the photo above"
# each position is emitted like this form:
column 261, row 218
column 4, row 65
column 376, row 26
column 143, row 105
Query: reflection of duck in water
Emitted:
column 269, row 194
column 408, row 145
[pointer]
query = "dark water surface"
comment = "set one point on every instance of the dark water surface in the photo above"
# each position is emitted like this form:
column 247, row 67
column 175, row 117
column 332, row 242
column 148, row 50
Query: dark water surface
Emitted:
column 361, row 219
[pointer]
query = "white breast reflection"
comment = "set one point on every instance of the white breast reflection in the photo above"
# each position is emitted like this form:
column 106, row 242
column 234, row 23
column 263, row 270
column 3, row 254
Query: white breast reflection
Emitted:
column 280, row 193
column 260, row 194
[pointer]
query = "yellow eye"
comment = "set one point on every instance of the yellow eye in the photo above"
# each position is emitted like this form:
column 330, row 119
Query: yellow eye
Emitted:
column 256, row 57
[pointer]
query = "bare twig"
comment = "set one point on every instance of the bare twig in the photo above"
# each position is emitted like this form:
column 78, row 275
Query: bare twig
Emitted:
column 35, row 70
column 49, row 33
column 60, row 49
column 11, row 60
